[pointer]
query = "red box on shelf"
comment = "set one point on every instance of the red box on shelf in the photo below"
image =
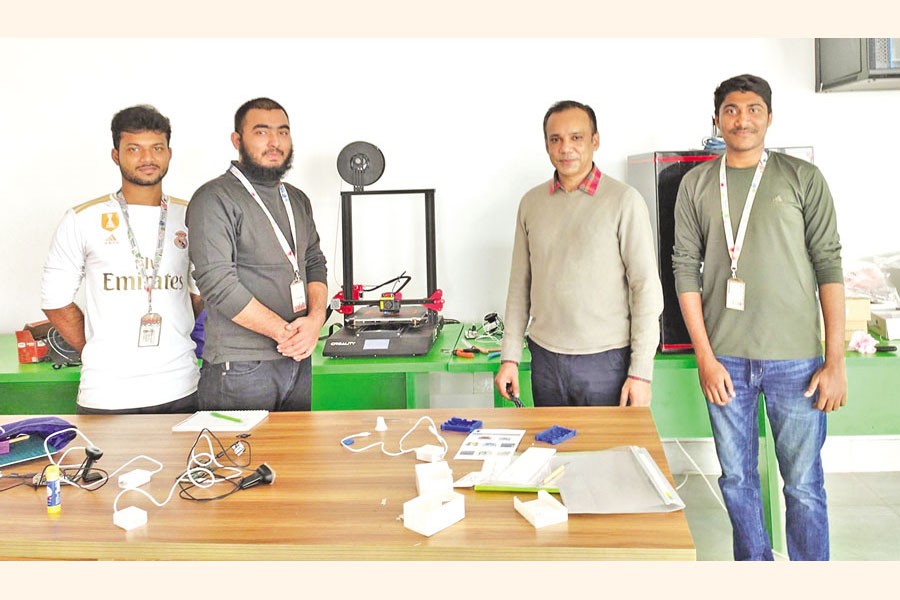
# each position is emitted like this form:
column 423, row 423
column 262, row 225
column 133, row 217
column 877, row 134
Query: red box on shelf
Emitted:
column 30, row 350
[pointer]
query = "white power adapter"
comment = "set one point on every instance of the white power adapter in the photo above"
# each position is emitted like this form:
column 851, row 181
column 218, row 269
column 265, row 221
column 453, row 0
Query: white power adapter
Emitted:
column 429, row 453
column 129, row 518
column 134, row 479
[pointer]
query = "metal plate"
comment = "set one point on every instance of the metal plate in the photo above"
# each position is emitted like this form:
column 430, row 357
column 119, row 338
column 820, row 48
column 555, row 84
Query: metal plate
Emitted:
column 360, row 164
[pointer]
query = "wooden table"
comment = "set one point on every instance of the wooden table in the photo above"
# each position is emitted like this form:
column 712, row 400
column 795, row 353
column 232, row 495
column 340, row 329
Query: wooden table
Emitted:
column 331, row 504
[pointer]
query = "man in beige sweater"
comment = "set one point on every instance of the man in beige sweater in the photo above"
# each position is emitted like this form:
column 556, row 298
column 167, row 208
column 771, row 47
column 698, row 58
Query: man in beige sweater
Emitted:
column 584, row 276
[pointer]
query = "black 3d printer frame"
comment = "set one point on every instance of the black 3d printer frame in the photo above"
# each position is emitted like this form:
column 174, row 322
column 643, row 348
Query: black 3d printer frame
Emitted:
column 347, row 239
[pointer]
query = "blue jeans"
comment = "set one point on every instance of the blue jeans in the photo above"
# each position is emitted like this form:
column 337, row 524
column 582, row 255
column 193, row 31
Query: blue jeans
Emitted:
column 799, row 432
column 274, row 385
column 578, row 379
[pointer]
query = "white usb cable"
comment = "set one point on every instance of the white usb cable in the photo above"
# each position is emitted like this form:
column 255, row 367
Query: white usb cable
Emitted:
column 432, row 428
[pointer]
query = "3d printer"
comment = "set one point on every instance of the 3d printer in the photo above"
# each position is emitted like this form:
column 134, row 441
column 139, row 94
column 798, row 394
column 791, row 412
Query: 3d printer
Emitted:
column 389, row 325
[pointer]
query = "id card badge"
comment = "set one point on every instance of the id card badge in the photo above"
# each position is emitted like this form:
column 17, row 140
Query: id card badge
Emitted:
column 734, row 294
column 151, row 327
column 298, row 296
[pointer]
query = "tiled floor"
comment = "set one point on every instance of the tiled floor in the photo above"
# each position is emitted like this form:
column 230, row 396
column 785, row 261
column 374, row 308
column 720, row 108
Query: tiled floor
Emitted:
column 863, row 512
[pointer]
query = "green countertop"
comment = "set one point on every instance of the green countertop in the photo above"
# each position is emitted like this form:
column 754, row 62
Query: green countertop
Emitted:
column 13, row 372
column 873, row 406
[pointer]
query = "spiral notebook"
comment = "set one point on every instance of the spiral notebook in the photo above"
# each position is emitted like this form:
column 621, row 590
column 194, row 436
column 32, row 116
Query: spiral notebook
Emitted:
column 222, row 420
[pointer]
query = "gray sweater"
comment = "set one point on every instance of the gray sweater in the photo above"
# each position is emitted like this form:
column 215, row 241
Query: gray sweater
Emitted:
column 237, row 257
column 584, row 271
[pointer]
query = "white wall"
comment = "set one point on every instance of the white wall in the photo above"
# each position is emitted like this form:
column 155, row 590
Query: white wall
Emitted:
column 459, row 115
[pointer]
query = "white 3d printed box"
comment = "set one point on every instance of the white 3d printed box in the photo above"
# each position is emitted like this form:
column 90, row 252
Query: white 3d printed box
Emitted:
column 546, row 510
column 429, row 514
column 434, row 478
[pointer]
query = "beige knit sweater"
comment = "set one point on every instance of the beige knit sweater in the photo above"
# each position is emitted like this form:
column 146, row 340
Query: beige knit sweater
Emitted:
column 585, row 275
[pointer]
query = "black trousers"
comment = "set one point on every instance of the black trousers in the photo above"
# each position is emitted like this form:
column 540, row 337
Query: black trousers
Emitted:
column 274, row 385
column 578, row 379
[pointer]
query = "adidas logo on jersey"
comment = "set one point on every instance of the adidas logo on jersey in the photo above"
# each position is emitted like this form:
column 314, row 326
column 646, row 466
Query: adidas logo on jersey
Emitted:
column 111, row 240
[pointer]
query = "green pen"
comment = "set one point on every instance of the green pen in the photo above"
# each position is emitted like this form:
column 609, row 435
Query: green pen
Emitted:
column 226, row 417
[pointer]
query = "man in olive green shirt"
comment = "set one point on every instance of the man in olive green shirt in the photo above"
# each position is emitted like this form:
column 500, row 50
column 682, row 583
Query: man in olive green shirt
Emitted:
column 762, row 226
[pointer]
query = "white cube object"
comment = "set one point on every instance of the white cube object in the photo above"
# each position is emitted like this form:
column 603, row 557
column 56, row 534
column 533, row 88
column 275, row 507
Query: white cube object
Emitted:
column 434, row 478
column 129, row 518
column 430, row 453
column 429, row 514
column 546, row 510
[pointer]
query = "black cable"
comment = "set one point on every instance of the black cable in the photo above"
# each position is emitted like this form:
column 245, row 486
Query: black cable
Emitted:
column 186, row 486
column 223, row 452
column 331, row 330
column 407, row 280
column 80, row 473
column 71, row 475
column 402, row 276
column 75, row 477
column 24, row 479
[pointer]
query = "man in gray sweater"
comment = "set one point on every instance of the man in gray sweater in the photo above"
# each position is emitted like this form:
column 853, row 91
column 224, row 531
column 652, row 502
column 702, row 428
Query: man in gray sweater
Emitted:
column 258, row 263
column 584, row 275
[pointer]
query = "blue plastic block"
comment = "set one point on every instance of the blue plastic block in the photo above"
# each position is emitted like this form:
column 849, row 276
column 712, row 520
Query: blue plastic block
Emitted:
column 555, row 435
column 458, row 424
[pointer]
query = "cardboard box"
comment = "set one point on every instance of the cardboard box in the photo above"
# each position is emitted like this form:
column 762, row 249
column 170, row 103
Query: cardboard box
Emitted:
column 852, row 326
column 857, row 312
column 30, row 350
column 857, row 309
column 886, row 324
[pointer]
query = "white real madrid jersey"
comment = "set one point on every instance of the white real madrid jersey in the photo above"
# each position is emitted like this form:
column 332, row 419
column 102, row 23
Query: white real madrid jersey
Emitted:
column 91, row 246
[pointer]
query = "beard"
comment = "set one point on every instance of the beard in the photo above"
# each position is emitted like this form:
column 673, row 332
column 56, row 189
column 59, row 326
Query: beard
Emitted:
column 259, row 172
column 135, row 178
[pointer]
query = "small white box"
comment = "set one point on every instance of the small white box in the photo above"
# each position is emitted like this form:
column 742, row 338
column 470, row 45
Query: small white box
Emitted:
column 546, row 510
column 134, row 479
column 429, row 514
column 886, row 324
column 430, row 453
column 129, row 518
column 434, row 478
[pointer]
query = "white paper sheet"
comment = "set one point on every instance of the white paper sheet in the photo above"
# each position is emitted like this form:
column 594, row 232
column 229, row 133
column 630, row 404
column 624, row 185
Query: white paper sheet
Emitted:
column 483, row 443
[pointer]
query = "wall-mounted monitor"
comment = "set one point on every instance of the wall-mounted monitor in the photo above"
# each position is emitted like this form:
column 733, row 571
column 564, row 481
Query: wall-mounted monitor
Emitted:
column 857, row 64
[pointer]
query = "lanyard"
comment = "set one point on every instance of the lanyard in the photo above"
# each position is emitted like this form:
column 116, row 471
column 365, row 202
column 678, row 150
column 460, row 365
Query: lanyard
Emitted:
column 734, row 248
column 149, row 279
column 285, row 247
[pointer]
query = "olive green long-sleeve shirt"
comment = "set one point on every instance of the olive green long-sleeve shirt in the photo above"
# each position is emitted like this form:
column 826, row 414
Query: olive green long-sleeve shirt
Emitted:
column 791, row 247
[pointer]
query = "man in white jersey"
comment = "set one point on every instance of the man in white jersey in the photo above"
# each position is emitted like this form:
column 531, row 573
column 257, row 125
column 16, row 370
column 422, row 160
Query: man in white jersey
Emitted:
column 130, row 249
